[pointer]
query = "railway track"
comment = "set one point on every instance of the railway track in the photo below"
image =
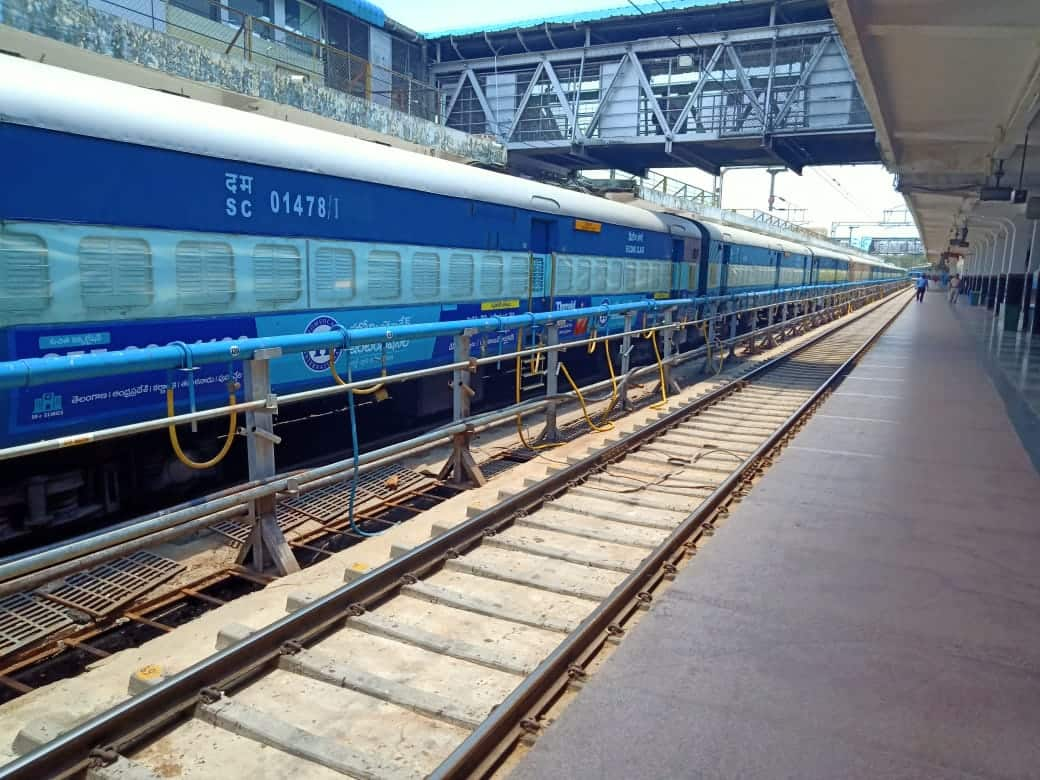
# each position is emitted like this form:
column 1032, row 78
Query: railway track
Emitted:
column 439, row 661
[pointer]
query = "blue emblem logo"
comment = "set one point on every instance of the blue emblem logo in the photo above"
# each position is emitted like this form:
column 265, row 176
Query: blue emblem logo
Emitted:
column 48, row 403
column 318, row 360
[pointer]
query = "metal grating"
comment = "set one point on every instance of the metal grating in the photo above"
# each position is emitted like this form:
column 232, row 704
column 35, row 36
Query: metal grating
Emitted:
column 237, row 531
column 24, row 619
column 328, row 504
column 496, row 466
column 107, row 587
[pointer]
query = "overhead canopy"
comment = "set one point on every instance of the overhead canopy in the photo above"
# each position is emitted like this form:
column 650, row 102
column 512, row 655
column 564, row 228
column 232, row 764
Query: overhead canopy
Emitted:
column 952, row 87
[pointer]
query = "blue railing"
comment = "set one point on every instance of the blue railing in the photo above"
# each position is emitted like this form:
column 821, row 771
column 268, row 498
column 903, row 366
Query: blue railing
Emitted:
column 29, row 372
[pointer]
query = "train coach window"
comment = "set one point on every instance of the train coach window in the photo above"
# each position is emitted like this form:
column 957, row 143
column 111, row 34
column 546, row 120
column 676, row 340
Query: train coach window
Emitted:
column 491, row 275
column 460, row 276
column 519, row 275
column 205, row 272
column 277, row 273
column 426, row 275
column 564, row 281
column 664, row 276
column 115, row 272
column 644, row 279
column 631, row 276
column 25, row 282
column 384, row 275
column 615, row 276
column 334, row 274
column 582, row 275
column 598, row 282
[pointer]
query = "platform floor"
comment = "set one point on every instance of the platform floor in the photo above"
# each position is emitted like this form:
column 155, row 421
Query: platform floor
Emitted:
column 871, row 610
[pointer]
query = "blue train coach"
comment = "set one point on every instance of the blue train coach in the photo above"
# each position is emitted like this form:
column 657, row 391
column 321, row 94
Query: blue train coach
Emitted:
column 130, row 217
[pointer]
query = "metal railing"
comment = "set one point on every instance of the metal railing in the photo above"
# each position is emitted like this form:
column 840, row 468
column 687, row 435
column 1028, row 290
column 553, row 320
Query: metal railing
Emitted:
column 795, row 218
column 231, row 32
column 718, row 318
column 791, row 85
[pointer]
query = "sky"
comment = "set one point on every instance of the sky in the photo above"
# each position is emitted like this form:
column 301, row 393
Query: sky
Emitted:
column 434, row 15
column 849, row 193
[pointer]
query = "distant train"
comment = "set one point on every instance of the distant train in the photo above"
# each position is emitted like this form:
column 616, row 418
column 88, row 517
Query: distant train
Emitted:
column 131, row 217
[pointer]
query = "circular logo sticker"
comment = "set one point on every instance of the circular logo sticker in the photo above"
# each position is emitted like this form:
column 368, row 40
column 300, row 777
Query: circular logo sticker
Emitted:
column 601, row 319
column 318, row 360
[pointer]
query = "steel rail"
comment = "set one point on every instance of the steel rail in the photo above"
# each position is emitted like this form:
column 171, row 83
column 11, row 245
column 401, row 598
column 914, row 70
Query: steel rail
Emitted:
column 29, row 570
column 483, row 748
column 121, row 727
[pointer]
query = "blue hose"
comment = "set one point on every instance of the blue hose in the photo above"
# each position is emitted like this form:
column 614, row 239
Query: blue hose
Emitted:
column 357, row 458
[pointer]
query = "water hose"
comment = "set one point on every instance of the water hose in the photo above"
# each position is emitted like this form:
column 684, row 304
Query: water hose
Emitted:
column 356, row 456
column 339, row 379
column 707, row 347
column 175, row 442
column 652, row 335
column 609, row 426
column 520, row 417
column 614, row 394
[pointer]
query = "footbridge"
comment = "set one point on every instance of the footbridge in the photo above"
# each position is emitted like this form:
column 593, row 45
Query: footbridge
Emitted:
column 661, row 84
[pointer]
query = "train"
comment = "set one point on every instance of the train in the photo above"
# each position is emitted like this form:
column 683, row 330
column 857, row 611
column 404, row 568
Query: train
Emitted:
column 131, row 217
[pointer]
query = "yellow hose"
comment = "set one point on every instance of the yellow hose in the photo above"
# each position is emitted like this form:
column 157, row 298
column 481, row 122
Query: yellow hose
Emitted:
column 707, row 346
column 581, row 400
column 520, row 418
column 192, row 464
column 339, row 379
column 660, row 368
column 614, row 395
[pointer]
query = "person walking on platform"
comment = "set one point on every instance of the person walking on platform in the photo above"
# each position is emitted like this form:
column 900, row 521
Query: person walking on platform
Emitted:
column 922, row 285
column 955, row 288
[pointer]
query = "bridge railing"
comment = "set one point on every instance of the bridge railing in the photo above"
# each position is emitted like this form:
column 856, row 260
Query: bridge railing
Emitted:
column 225, row 30
column 788, row 81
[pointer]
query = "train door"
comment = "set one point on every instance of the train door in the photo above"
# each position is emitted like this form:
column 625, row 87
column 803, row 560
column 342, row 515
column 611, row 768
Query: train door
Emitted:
column 724, row 278
column 678, row 274
column 542, row 267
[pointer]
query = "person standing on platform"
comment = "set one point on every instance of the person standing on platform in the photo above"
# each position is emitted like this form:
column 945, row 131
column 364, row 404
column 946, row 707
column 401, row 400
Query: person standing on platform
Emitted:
column 955, row 288
column 922, row 285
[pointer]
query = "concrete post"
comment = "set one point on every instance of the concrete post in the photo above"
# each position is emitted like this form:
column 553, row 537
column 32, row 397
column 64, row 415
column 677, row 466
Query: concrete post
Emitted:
column 1015, row 275
column 1011, row 250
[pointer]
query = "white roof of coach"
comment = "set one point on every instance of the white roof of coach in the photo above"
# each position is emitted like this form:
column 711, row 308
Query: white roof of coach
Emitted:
column 721, row 232
column 56, row 99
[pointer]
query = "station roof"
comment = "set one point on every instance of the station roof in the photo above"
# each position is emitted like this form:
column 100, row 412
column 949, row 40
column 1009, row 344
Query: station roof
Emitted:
column 621, row 24
column 952, row 88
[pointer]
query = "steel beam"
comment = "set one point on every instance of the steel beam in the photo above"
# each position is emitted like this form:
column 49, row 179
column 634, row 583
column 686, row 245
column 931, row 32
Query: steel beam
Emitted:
column 664, row 46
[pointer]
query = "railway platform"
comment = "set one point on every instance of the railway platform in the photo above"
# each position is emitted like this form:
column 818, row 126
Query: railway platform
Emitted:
column 871, row 609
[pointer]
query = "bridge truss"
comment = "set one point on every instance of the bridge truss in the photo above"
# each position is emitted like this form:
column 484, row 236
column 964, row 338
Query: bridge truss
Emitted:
column 783, row 94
